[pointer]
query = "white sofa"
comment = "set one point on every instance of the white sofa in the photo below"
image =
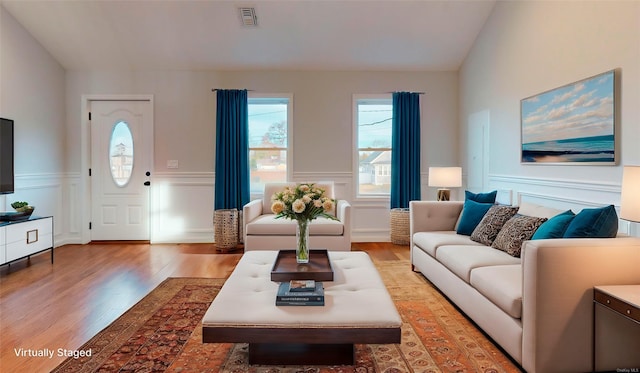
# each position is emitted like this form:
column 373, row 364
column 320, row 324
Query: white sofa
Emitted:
column 539, row 307
column 262, row 231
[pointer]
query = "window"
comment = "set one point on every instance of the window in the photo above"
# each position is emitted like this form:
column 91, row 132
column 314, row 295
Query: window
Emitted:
column 372, row 117
column 269, row 131
column 121, row 153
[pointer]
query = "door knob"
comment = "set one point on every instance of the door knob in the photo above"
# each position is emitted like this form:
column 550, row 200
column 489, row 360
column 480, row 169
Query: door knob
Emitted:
column 147, row 183
column 148, row 173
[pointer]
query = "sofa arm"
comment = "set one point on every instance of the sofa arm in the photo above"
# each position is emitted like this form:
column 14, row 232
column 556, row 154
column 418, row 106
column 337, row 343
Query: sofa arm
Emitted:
column 343, row 213
column 250, row 211
column 557, row 299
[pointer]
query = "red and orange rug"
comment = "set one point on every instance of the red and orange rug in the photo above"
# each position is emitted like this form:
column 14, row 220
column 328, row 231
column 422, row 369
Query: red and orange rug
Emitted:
column 163, row 332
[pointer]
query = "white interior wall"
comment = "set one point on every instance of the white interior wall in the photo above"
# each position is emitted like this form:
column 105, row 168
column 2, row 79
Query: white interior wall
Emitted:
column 322, row 134
column 46, row 102
column 32, row 86
column 525, row 48
column 528, row 47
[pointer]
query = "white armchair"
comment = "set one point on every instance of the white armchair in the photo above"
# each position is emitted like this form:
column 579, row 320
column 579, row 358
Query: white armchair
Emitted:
column 262, row 231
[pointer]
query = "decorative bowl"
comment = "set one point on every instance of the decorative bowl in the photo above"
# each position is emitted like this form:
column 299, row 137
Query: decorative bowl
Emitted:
column 25, row 211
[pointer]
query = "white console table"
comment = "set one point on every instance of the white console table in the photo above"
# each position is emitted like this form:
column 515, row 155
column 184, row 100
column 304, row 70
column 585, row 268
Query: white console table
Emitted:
column 23, row 238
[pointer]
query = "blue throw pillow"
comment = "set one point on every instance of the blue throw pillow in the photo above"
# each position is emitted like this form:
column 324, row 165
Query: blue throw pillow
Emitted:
column 481, row 197
column 594, row 223
column 554, row 227
column 472, row 214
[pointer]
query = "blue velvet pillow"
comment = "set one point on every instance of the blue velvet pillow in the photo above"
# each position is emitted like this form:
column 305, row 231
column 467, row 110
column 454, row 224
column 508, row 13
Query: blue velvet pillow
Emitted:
column 481, row 197
column 594, row 223
column 554, row 227
column 472, row 214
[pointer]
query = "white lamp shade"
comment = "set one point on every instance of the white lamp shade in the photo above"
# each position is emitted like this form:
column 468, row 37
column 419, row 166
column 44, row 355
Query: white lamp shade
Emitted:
column 630, row 199
column 445, row 177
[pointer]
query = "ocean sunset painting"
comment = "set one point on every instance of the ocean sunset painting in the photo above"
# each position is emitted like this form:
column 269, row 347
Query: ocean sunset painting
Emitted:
column 571, row 124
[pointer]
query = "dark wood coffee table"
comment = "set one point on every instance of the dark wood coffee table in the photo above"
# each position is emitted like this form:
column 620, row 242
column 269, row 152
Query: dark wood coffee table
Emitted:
column 358, row 309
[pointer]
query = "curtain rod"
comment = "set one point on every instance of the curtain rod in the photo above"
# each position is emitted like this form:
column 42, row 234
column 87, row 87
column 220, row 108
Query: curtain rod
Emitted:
column 219, row 89
column 251, row 90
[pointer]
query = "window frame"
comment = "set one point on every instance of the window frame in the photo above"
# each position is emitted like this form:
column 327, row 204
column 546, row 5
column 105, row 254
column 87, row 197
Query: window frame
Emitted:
column 289, row 149
column 357, row 98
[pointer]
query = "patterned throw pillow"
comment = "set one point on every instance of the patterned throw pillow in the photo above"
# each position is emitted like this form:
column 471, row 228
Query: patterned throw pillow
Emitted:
column 515, row 231
column 492, row 222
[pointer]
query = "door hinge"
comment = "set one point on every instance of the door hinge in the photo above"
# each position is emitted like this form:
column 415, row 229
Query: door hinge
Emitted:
column 89, row 115
column 89, row 172
column 89, row 225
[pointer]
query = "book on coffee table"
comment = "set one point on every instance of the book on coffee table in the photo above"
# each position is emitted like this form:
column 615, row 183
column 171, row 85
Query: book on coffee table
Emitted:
column 302, row 285
column 286, row 297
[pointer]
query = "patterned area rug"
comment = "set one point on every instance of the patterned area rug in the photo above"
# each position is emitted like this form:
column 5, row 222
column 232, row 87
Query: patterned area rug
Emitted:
column 163, row 332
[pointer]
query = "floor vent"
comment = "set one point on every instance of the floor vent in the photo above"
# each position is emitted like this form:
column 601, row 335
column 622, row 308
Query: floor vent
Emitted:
column 248, row 17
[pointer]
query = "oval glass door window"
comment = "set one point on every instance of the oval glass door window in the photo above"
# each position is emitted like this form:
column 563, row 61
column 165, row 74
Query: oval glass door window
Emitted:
column 121, row 153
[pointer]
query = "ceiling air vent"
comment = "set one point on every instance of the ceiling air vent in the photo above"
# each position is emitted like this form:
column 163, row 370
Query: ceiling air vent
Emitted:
column 248, row 17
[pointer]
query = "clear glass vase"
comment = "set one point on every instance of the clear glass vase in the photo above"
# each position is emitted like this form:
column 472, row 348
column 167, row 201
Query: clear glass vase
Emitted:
column 302, row 241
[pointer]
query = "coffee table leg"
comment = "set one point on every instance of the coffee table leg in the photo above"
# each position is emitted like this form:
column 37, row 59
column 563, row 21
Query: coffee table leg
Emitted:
column 301, row 354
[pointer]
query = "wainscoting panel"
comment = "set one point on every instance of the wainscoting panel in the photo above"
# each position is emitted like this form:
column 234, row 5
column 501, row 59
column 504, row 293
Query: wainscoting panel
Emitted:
column 182, row 207
column 578, row 193
column 182, row 203
column 48, row 192
column 370, row 221
column 561, row 194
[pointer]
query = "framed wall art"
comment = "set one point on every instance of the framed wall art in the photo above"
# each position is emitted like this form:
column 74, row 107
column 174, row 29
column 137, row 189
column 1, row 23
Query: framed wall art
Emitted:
column 572, row 124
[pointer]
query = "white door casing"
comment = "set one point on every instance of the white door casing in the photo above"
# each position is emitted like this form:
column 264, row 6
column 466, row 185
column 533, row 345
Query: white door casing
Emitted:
column 120, row 204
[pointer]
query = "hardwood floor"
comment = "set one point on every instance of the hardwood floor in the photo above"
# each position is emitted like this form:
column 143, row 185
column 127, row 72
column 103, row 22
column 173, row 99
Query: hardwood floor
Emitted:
column 62, row 305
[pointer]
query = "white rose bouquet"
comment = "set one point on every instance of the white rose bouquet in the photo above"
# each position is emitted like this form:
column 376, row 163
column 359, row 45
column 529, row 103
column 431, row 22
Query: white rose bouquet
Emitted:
column 305, row 202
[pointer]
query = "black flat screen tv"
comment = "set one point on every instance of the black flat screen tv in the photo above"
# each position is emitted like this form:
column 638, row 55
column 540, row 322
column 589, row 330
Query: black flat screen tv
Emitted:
column 6, row 156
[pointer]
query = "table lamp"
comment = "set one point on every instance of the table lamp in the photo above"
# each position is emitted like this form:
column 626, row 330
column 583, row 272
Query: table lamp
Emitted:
column 630, row 199
column 443, row 178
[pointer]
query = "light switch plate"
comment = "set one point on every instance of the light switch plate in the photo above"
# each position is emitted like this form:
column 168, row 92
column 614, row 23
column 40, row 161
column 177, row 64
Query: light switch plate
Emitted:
column 172, row 163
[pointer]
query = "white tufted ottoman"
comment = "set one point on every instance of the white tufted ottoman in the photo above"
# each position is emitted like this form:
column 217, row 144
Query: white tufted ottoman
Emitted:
column 358, row 309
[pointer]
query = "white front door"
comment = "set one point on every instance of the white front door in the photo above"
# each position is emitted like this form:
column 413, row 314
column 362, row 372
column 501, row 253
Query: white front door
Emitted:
column 121, row 149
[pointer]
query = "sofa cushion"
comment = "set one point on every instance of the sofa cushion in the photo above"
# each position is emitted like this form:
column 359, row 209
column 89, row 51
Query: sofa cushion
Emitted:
column 462, row 259
column 515, row 231
column 554, row 227
column 489, row 197
column 491, row 223
column 594, row 223
column 430, row 241
column 502, row 285
column 268, row 225
column 472, row 214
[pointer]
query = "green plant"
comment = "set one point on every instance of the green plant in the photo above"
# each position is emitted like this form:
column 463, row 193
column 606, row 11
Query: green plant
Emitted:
column 18, row 204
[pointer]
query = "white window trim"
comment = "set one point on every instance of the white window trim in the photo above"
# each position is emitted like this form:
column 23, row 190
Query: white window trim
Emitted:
column 288, row 96
column 355, row 152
